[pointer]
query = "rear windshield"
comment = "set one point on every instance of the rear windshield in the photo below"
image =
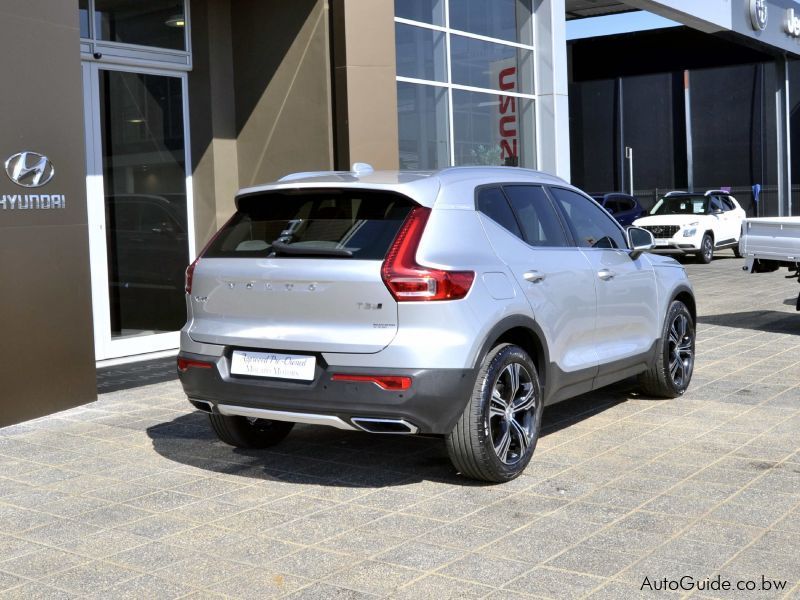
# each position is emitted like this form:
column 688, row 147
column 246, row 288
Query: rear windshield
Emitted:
column 358, row 224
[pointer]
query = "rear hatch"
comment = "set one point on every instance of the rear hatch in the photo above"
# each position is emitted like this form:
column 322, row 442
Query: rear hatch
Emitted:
column 300, row 270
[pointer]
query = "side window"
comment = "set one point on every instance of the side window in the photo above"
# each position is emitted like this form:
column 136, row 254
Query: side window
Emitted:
column 727, row 204
column 492, row 202
column 624, row 203
column 536, row 215
column 591, row 227
column 611, row 205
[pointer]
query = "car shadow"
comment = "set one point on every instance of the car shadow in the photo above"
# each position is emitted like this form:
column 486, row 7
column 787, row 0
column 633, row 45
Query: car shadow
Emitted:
column 771, row 321
column 317, row 455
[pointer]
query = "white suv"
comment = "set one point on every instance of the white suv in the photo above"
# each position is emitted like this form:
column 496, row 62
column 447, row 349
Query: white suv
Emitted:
column 694, row 223
column 455, row 303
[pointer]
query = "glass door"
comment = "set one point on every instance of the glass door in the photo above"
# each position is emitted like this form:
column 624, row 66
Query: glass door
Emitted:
column 139, row 207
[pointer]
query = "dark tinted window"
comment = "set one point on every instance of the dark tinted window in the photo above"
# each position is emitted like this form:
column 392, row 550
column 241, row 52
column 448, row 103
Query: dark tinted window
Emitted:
column 536, row 215
column 494, row 205
column 591, row 227
column 335, row 223
column 715, row 204
column 623, row 203
column 727, row 204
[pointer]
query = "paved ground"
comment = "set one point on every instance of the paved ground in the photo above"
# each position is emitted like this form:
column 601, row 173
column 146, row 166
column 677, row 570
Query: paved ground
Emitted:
column 133, row 497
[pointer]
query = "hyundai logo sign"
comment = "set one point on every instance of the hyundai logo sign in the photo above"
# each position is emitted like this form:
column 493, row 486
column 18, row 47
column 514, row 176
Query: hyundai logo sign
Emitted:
column 29, row 169
column 758, row 14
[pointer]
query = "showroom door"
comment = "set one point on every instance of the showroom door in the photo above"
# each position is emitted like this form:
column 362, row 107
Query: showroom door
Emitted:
column 139, row 207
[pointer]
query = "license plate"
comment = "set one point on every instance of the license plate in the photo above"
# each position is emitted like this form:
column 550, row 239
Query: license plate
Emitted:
column 271, row 364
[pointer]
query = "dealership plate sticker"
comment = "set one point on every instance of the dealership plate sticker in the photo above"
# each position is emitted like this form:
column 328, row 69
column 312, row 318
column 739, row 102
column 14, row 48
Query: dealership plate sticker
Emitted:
column 270, row 364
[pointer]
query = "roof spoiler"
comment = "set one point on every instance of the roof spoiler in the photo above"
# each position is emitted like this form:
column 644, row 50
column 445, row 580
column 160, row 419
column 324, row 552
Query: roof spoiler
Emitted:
column 358, row 169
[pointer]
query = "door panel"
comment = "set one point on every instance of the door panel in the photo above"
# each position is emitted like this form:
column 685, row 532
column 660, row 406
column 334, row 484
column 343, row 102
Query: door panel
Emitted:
column 560, row 288
column 139, row 207
column 627, row 304
column 555, row 277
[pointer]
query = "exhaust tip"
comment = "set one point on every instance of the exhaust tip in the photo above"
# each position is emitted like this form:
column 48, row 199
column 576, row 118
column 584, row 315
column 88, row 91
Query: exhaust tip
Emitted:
column 203, row 406
column 391, row 426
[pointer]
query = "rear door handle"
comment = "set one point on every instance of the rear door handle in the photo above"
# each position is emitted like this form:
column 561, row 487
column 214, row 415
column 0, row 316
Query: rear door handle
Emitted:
column 533, row 276
column 606, row 274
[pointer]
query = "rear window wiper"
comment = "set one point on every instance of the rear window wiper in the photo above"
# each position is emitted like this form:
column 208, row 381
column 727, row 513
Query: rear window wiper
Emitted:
column 293, row 250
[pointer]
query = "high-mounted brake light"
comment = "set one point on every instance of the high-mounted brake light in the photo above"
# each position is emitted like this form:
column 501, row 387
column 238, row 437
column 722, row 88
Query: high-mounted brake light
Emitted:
column 409, row 281
column 386, row 382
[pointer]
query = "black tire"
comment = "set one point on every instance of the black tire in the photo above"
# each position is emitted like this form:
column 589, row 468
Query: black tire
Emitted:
column 671, row 373
column 242, row 432
column 736, row 252
column 490, row 415
column 706, row 253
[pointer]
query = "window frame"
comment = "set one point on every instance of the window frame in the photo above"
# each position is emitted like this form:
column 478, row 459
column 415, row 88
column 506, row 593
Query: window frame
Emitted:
column 138, row 55
column 549, row 187
column 527, row 148
column 568, row 237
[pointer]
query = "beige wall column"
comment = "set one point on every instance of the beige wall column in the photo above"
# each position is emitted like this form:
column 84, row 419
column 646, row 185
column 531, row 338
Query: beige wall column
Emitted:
column 281, row 84
column 47, row 355
column 213, row 120
column 364, row 81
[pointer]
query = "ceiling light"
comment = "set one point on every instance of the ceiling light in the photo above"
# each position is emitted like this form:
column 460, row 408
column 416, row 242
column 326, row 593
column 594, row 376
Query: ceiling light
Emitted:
column 176, row 21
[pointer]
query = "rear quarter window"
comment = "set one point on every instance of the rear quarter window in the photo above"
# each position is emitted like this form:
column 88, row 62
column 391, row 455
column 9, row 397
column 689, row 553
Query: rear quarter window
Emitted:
column 358, row 224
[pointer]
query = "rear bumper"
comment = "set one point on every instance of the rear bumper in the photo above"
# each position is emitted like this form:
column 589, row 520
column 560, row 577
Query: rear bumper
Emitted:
column 432, row 404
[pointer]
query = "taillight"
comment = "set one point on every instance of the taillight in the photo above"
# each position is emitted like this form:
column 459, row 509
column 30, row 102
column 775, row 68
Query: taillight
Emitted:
column 386, row 382
column 184, row 364
column 190, row 275
column 409, row 281
column 190, row 269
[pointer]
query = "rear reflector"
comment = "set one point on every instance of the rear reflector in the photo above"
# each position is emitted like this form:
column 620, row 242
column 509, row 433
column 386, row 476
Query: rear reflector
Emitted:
column 184, row 364
column 386, row 382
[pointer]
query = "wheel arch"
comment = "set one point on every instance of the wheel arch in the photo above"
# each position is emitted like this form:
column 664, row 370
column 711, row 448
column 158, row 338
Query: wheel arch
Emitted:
column 685, row 295
column 524, row 332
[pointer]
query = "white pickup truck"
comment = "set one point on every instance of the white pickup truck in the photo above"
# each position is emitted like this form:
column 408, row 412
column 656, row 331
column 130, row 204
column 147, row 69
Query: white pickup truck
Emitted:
column 769, row 243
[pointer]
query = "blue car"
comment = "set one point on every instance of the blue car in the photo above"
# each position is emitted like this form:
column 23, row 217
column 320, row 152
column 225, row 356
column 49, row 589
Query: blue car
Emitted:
column 624, row 208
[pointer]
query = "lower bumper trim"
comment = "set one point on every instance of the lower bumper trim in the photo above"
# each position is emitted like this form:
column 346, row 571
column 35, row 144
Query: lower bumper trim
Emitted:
column 282, row 415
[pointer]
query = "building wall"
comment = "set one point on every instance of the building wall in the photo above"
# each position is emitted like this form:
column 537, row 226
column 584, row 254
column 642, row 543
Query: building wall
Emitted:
column 47, row 356
column 731, row 103
column 281, row 81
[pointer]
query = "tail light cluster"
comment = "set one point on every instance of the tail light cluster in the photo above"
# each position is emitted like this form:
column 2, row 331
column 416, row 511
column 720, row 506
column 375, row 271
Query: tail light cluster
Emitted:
column 409, row 281
column 191, row 267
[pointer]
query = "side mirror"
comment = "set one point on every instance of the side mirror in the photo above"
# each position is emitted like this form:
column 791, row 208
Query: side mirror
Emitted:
column 639, row 240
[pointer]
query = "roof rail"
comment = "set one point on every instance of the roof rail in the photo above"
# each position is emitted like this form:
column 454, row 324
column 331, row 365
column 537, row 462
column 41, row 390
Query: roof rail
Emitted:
column 675, row 193
column 715, row 192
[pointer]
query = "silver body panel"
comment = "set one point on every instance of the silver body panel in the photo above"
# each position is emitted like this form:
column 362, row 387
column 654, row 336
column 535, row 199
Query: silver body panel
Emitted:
column 587, row 319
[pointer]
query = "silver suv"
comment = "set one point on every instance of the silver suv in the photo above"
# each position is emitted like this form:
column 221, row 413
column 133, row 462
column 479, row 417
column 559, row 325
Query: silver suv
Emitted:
column 455, row 303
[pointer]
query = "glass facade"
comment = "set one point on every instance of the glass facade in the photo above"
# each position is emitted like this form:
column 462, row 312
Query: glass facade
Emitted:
column 157, row 23
column 465, row 83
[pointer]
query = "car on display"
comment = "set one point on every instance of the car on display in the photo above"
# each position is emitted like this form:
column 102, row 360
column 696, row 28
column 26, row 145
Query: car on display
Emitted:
column 695, row 223
column 455, row 303
column 624, row 208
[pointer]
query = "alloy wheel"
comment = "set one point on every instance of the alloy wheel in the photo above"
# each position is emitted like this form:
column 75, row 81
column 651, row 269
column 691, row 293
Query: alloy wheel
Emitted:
column 681, row 351
column 512, row 413
column 708, row 249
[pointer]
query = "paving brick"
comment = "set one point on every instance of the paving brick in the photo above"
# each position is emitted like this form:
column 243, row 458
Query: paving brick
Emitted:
column 133, row 497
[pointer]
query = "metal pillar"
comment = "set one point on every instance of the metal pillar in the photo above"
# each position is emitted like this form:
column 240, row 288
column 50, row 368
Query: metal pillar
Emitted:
column 783, row 137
